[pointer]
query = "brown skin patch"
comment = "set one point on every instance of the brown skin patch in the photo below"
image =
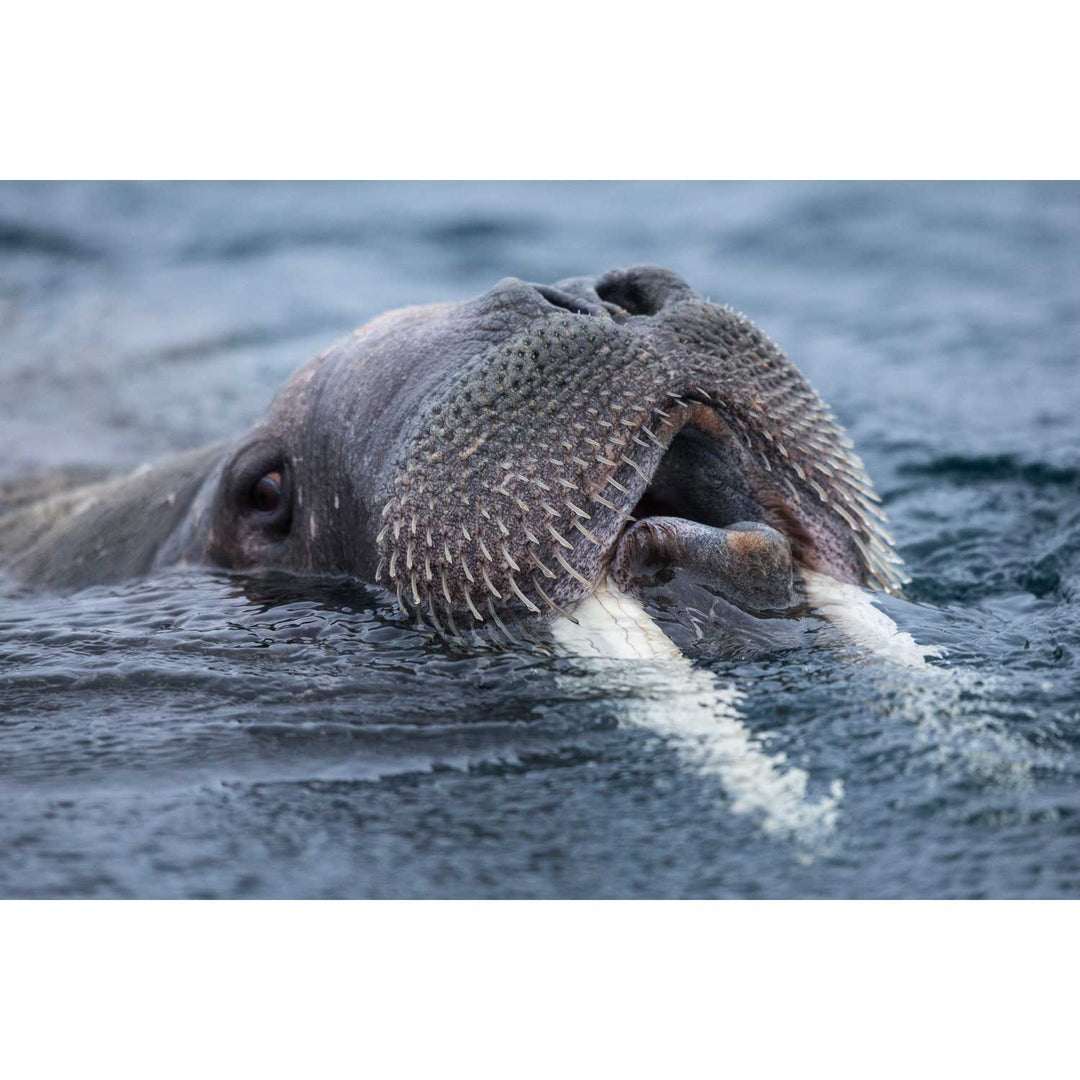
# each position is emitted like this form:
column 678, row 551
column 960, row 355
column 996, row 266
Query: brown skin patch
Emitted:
column 779, row 516
column 748, row 545
column 757, row 553
column 708, row 419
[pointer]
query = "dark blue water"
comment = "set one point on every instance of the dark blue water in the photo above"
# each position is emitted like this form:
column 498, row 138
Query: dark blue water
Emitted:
column 192, row 735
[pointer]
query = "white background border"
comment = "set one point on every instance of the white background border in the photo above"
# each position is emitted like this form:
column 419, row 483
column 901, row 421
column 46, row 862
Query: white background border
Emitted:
column 552, row 90
column 523, row 91
column 511, row 990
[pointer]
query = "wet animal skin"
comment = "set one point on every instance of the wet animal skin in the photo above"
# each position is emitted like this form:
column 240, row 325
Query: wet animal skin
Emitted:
column 488, row 459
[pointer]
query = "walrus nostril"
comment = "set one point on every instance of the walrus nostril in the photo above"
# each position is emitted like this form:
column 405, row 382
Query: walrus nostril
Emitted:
column 643, row 290
column 577, row 304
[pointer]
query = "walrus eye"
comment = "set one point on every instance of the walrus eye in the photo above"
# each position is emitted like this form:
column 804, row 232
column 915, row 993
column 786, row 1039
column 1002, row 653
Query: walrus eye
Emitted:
column 259, row 488
column 266, row 494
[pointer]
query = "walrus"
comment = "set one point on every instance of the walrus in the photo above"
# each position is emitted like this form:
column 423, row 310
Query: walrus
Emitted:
column 499, row 459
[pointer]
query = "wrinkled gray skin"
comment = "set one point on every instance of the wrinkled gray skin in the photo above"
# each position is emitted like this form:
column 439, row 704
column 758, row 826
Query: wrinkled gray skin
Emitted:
column 488, row 460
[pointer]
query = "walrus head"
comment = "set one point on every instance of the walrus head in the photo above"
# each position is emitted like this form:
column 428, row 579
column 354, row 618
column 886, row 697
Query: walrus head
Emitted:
column 504, row 455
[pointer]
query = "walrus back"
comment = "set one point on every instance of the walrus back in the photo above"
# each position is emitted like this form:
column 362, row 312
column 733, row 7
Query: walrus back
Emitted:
column 22, row 491
column 74, row 528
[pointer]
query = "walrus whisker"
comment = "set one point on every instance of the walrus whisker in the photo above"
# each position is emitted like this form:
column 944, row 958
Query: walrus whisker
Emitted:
column 453, row 624
column 559, row 537
column 524, row 599
column 472, row 606
column 487, row 581
column 571, row 571
column 510, row 561
column 434, row 617
column 636, row 467
column 499, row 623
column 551, row 603
column 588, row 535
column 536, row 560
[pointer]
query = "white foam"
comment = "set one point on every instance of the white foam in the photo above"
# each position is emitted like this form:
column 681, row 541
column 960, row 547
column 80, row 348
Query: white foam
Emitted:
column 698, row 715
